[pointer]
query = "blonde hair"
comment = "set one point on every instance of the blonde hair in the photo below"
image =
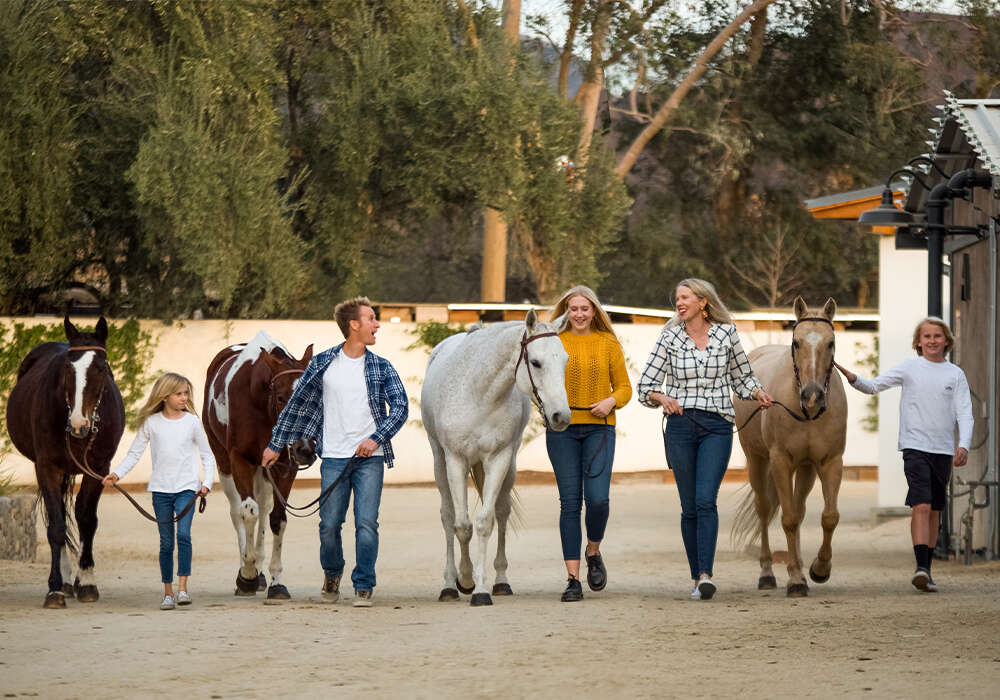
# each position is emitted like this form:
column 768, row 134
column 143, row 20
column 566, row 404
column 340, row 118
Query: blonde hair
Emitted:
column 168, row 383
column 935, row 321
column 601, row 320
column 347, row 311
column 716, row 310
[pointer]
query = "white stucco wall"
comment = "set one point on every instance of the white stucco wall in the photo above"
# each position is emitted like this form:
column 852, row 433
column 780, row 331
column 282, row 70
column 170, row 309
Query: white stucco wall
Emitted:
column 188, row 349
column 902, row 304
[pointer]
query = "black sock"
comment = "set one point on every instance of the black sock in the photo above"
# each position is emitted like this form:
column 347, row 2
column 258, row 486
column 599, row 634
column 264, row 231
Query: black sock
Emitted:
column 923, row 554
column 930, row 558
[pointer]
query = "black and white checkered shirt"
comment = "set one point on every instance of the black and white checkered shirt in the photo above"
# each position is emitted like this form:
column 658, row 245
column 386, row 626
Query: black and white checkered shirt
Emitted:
column 697, row 379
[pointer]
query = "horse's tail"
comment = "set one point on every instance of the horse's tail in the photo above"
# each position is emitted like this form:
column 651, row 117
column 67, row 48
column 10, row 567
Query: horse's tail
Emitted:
column 516, row 520
column 746, row 525
column 68, row 488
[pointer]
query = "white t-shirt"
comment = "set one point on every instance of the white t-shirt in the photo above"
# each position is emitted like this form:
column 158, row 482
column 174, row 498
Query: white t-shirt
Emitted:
column 174, row 446
column 935, row 397
column 347, row 417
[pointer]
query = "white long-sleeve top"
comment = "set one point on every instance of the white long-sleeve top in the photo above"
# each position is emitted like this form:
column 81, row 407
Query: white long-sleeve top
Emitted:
column 175, row 446
column 935, row 397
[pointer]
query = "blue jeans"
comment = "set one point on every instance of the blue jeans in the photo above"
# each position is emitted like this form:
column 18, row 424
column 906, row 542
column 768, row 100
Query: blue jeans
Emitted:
column 698, row 445
column 365, row 481
column 166, row 506
column 581, row 458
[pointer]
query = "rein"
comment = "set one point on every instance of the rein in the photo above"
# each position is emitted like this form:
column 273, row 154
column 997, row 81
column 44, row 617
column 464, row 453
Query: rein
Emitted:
column 318, row 501
column 85, row 468
column 525, row 340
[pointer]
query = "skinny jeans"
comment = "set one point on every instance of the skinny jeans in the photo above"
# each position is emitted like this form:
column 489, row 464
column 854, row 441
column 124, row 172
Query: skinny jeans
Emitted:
column 167, row 506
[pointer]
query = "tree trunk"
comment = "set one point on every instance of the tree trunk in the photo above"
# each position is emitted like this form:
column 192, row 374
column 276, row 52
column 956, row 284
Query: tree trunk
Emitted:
column 566, row 57
column 589, row 95
column 493, row 282
column 680, row 92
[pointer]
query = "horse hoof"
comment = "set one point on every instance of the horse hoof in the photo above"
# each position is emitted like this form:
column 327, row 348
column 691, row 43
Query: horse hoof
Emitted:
column 261, row 582
column 797, row 590
column 448, row 595
column 87, row 594
column 55, row 600
column 481, row 599
column 502, row 589
column 767, row 583
column 68, row 590
column 818, row 578
column 245, row 586
column 278, row 592
column 463, row 589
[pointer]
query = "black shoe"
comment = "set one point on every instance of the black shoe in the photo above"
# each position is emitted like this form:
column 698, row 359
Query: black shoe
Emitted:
column 573, row 592
column 597, row 575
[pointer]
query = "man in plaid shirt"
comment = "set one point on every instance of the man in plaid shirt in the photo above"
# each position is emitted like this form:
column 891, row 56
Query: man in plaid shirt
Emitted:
column 351, row 402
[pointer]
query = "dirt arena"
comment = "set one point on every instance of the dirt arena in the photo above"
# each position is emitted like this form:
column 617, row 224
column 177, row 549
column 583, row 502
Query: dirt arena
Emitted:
column 867, row 631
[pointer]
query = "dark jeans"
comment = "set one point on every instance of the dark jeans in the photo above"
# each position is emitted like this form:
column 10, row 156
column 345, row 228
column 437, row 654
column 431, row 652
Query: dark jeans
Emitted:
column 698, row 445
column 581, row 458
column 365, row 481
column 167, row 506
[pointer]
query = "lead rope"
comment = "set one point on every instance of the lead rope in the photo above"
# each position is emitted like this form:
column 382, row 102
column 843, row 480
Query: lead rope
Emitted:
column 318, row 501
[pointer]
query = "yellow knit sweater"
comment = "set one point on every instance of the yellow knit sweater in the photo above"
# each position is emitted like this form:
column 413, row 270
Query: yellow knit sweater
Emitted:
column 595, row 371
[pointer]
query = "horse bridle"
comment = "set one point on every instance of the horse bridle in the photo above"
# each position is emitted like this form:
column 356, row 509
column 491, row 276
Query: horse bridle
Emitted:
column 795, row 366
column 95, row 418
column 272, row 394
column 525, row 339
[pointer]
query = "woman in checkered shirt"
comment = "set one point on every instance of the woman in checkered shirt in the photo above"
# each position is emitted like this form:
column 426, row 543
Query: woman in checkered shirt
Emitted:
column 695, row 367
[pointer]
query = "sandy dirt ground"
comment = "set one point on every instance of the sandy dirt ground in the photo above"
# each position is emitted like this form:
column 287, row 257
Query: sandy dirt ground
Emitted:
column 865, row 633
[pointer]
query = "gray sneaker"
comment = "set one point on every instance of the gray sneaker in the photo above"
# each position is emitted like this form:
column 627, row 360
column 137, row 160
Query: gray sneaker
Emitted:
column 362, row 599
column 931, row 586
column 183, row 598
column 331, row 589
column 168, row 603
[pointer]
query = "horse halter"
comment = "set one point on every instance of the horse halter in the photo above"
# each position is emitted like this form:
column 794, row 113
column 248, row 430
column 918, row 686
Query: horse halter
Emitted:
column 95, row 417
column 795, row 366
column 272, row 396
column 524, row 356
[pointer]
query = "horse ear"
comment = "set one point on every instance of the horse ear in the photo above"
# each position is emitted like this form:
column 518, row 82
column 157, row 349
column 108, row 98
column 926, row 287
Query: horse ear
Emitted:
column 799, row 308
column 102, row 330
column 71, row 331
column 530, row 320
column 272, row 362
column 560, row 322
column 307, row 356
column 830, row 308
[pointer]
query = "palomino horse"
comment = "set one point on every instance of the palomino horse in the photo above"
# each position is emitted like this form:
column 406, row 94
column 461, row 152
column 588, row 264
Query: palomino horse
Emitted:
column 784, row 455
column 245, row 390
column 65, row 411
column 474, row 406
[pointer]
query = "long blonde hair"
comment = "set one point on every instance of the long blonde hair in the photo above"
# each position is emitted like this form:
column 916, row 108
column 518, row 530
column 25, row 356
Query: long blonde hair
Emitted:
column 168, row 383
column 716, row 310
column 601, row 320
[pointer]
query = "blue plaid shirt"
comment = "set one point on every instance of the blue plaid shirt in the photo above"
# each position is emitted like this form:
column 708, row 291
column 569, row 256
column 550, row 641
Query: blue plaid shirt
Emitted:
column 302, row 417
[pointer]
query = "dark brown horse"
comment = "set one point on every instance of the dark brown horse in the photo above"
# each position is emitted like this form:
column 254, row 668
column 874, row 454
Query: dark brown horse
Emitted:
column 63, row 411
column 246, row 388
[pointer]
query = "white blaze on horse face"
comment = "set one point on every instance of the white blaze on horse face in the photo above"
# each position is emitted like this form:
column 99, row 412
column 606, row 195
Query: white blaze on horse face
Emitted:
column 80, row 367
column 814, row 338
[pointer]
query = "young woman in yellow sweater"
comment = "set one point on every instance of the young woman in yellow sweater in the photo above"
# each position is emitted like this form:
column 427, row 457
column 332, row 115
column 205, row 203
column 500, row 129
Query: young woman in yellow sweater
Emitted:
column 596, row 384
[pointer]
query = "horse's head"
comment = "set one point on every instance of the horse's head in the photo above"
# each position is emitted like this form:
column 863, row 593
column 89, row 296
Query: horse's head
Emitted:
column 277, row 374
column 84, row 376
column 813, row 345
column 541, row 370
column 303, row 451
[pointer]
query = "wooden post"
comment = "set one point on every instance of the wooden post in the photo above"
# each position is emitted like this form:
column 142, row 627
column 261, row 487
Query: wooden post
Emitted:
column 494, row 277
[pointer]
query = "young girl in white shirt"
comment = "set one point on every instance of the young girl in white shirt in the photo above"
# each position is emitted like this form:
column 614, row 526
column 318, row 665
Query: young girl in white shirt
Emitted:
column 169, row 423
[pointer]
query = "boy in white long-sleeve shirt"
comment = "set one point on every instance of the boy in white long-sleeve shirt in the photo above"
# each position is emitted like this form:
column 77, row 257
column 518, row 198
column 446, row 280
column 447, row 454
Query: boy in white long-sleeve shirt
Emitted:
column 935, row 397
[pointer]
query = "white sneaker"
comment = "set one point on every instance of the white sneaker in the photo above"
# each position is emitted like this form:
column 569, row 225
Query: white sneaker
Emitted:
column 695, row 593
column 183, row 598
column 706, row 588
column 931, row 586
column 168, row 603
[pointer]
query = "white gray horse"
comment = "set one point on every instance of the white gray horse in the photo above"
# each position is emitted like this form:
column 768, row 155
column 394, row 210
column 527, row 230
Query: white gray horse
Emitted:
column 475, row 405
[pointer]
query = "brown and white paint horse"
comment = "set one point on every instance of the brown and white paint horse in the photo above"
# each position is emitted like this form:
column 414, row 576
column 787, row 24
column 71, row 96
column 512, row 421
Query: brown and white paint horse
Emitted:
column 65, row 410
column 246, row 387
column 785, row 455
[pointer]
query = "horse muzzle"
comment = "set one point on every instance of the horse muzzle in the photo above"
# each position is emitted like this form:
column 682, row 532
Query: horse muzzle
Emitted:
column 80, row 431
column 812, row 401
column 559, row 420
